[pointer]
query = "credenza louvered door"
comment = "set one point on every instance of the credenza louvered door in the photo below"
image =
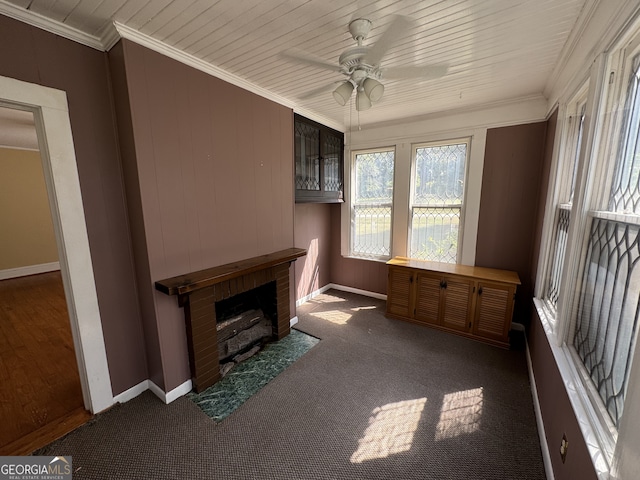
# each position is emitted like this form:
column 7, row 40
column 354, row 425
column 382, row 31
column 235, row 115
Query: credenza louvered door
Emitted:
column 494, row 308
column 475, row 302
column 456, row 307
column 400, row 292
column 428, row 297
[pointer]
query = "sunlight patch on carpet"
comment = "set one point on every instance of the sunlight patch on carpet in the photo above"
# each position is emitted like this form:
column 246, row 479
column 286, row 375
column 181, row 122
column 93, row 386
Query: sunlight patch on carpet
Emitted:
column 390, row 431
column 334, row 316
column 461, row 413
column 221, row 399
column 327, row 298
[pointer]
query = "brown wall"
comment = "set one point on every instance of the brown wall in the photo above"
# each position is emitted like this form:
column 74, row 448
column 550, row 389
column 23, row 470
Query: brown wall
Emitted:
column 557, row 414
column 138, row 237
column 509, row 205
column 209, row 180
column 544, row 186
column 33, row 55
column 313, row 233
column 317, row 228
column 350, row 272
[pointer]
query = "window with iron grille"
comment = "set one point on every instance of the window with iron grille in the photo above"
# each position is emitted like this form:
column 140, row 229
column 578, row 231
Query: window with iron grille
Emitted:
column 568, row 169
column 604, row 329
column 372, row 202
column 437, row 198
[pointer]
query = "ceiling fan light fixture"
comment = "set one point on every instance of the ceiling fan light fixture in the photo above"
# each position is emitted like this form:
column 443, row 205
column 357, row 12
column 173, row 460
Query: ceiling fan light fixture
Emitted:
column 342, row 94
column 373, row 88
column 363, row 102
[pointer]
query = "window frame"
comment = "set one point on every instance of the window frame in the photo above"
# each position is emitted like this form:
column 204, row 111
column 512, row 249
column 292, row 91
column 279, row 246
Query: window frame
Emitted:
column 569, row 141
column 352, row 202
column 620, row 62
column 608, row 82
column 412, row 179
column 402, row 172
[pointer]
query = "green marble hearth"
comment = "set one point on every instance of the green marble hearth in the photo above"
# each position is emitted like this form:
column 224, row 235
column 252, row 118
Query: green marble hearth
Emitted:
column 245, row 379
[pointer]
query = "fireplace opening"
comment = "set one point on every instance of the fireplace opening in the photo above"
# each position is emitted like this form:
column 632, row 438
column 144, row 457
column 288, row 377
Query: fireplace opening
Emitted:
column 244, row 323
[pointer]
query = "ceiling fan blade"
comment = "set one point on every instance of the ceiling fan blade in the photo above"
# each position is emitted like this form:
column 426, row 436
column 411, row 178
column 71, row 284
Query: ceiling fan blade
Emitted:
column 317, row 91
column 426, row 72
column 398, row 26
column 310, row 60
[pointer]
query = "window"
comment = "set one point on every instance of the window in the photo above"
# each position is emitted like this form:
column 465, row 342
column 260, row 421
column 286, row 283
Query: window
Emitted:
column 437, row 194
column 372, row 203
column 568, row 169
column 605, row 325
column 592, row 259
column 418, row 198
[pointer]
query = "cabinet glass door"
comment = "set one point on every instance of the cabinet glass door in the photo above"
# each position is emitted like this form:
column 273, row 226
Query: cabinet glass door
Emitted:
column 332, row 155
column 307, row 155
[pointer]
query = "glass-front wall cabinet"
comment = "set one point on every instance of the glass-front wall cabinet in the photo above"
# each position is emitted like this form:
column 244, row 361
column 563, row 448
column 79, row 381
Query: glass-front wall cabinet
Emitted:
column 319, row 162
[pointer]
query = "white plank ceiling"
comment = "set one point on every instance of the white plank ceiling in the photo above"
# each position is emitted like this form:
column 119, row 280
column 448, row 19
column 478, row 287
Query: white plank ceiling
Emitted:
column 496, row 50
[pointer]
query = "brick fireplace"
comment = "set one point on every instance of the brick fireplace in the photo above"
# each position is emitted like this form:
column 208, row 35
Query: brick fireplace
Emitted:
column 200, row 292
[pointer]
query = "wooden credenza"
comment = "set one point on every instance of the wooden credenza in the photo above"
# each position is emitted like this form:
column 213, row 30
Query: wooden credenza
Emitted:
column 475, row 302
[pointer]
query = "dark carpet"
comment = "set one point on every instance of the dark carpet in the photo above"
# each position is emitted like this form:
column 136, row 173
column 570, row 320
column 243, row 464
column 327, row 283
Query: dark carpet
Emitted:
column 375, row 399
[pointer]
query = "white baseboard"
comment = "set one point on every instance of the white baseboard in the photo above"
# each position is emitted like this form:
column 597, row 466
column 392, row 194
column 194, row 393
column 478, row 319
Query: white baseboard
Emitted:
column 132, row 393
column 366, row 293
column 518, row 327
column 166, row 397
column 544, row 446
column 293, row 321
column 343, row 288
column 313, row 294
column 29, row 270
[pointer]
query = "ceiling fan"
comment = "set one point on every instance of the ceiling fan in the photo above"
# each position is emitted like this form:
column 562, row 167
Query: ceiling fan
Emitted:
column 361, row 64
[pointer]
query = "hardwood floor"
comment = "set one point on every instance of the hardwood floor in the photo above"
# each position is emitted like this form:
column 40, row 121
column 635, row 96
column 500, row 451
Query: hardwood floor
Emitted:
column 40, row 393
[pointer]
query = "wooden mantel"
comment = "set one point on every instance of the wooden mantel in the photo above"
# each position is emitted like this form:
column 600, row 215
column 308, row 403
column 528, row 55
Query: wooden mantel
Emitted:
column 199, row 291
column 189, row 282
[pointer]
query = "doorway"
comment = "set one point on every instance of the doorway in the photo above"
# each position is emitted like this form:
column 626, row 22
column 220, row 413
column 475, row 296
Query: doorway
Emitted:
column 50, row 113
column 39, row 374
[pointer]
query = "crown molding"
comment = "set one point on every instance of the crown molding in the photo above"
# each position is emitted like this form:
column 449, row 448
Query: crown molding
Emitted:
column 52, row 26
column 109, row 36
column 576, row 33
column 192, row 61
column 113, row 31
column 502, row 113
column 600, row 27
column 122, row 31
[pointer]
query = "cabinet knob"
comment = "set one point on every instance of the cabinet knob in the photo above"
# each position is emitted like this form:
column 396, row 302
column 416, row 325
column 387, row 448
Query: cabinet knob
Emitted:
column 480, row 291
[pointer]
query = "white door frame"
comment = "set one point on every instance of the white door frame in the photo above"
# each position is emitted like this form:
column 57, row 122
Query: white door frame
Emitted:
column 51, row 115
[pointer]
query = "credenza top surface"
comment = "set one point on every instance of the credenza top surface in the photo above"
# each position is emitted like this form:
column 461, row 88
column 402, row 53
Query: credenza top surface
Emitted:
column 482, row 273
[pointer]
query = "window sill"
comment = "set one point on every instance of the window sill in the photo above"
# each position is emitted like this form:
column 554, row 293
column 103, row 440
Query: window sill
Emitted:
column 578, row 397
column 369, row 259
